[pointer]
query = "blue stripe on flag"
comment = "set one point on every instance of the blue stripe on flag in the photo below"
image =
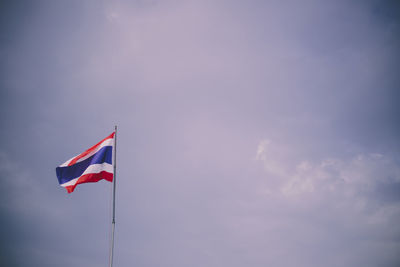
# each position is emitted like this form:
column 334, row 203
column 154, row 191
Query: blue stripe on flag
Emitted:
column 66, row 174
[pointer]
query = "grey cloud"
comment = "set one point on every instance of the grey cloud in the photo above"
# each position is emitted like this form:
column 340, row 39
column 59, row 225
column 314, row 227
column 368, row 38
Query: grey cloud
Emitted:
column 194, row 87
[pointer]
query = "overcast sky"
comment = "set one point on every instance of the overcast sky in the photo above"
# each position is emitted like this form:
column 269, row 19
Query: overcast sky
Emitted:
column 251, row 133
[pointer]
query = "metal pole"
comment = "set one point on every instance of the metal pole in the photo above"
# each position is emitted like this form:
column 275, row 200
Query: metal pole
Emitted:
column 113, row 196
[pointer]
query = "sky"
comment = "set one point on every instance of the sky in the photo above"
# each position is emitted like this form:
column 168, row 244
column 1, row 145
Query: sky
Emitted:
column 250, row 133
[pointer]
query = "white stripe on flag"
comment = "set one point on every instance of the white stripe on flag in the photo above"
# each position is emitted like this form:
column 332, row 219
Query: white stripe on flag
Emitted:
column 95, row 168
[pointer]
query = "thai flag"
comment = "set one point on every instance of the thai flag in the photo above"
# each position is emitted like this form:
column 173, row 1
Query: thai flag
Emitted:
column 90, row 166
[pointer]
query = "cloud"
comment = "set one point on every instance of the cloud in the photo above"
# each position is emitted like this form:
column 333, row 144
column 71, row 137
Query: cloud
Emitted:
column 350, row 202
column 193, row 86
column 360, row 182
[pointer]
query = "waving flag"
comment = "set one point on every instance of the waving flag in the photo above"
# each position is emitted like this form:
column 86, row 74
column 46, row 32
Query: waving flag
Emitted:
column 90, row 166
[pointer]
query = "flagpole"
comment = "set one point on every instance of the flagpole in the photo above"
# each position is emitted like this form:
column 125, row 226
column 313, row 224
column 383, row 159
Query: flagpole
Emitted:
column 113, row 197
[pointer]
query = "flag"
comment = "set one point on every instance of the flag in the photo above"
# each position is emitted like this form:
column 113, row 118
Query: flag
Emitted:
column 91, row 166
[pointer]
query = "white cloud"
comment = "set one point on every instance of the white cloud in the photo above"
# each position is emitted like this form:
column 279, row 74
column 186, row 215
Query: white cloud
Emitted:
column 358, row 173
column 349, row 201
column 360, row 184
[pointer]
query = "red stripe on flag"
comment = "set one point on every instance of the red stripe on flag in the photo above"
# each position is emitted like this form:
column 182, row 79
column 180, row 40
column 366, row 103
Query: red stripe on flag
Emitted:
column 91, row 178
column 74, row 160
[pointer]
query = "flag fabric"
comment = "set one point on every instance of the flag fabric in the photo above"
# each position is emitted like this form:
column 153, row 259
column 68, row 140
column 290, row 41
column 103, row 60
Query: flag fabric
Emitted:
column 91, row 166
